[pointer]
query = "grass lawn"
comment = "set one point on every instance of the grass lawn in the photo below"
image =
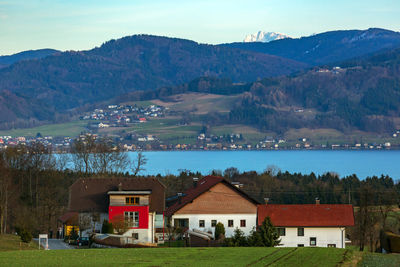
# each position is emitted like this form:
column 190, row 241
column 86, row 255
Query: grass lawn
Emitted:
column 377, row 259
column 177, row 257
column 71, row 129
column 13, row 242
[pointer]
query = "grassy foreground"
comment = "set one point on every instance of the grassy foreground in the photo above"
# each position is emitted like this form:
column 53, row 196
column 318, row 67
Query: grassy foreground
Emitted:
column 243, row 256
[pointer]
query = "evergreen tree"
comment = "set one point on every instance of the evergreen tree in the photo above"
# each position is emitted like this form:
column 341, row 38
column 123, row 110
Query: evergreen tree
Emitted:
column 219, row 230
column 268, row 233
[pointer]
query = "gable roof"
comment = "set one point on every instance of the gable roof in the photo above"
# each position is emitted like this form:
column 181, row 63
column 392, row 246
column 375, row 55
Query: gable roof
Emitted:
column 316, row 215
column 90, row 194
column 203, row 186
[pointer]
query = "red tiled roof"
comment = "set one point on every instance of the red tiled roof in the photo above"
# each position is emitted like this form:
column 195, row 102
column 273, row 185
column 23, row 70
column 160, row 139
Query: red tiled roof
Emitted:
column 316, row 215
column 202, row 186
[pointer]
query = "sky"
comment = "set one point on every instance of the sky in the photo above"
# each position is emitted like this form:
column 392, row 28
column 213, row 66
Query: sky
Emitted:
column 85, row 24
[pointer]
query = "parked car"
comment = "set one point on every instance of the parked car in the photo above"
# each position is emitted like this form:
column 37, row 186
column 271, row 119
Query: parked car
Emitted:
column 83, row 241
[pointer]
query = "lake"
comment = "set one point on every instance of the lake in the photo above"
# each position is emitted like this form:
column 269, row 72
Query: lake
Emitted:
column 363, row 163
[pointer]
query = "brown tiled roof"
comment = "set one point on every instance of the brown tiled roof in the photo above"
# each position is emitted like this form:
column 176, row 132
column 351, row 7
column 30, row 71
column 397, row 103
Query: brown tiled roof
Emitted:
column 69, row 217
column 203, row 186
column 90, row 194
column 313, row 215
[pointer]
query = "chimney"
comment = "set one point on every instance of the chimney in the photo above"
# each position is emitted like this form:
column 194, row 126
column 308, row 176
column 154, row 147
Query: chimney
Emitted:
column 266, row 199
column 180, row 198
column 317, row 201
column 195, row 180
column 120, row 187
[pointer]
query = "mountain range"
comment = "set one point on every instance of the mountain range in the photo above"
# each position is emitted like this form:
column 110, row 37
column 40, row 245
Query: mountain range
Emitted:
column 328, row 47
column 46, row 88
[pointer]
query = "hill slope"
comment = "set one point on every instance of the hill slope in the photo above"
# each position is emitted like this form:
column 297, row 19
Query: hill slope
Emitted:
column 141, row 62
column 26, row 55
column 363, row 95
column 327, row 47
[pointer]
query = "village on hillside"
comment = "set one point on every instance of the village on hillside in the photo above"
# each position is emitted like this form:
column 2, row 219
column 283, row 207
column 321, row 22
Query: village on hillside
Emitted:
column 130, row 127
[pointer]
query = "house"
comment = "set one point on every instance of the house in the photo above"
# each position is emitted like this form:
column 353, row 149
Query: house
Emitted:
column 314, row 225
column 137, row 203
column 212, row 200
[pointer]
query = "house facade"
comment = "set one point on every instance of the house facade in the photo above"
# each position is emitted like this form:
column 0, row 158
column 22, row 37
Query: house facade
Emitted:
column 309, row 225
column 135, row 204
column 210, row 201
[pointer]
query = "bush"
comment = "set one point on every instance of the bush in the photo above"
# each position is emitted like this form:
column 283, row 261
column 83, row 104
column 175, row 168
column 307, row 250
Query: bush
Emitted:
column 107, row 227
column 219, row 231
column 25, row 235
column 238, row 239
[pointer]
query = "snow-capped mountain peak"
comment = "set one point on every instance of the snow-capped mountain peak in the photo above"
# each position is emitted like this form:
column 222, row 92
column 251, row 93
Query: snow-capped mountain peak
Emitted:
column 264, row 37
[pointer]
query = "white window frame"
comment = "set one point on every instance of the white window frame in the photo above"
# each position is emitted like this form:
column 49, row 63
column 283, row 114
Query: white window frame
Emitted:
column 131, row 218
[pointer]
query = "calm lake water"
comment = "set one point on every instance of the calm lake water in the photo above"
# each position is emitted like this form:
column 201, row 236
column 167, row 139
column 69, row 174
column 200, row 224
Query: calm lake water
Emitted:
column 343, row 162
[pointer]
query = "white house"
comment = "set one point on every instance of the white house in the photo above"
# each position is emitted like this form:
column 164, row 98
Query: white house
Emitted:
column 213, row 200
column 310, row 225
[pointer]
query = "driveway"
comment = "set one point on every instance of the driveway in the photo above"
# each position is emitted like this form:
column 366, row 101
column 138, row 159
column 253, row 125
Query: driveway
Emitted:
column 57, row 244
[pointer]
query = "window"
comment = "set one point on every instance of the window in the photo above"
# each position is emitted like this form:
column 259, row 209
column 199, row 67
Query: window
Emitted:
column 331, row 245
column 300, row 231
column 313, row 241
column 300, row 245
column 213, row 223
column 132, row 200
column 135, row 235
column 242, row 223
column 230, row 223
column 182, row 223
column 201, row 223
column 131, row 218
column 282, row 231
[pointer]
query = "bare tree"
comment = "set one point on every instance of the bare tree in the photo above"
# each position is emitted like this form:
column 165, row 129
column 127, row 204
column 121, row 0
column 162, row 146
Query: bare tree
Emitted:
column 138, row 164
column 82, row 153
column 108, row 158
column 5, row 183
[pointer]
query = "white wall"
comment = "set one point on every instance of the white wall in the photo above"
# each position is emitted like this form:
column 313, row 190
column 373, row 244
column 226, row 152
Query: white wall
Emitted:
column 324, row 235
column 251, row 220
column 145, row 235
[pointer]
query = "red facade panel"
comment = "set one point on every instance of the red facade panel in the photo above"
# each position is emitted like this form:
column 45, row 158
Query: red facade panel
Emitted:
column 118, row 211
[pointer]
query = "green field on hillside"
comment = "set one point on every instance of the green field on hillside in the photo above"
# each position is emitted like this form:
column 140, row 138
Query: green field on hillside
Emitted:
column 243, row 256
column 13, row 242
column 71, row 129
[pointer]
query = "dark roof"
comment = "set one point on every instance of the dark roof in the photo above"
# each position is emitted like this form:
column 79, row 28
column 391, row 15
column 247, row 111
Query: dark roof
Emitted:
column 90, row 194
column 203, row 186
column 313, row 215
column 70, row 217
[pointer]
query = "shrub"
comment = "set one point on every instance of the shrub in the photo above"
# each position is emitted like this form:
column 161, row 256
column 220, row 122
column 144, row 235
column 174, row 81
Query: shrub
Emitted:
column 107, row 227
column 219, row 231
column 25, row 235
column 238, row 239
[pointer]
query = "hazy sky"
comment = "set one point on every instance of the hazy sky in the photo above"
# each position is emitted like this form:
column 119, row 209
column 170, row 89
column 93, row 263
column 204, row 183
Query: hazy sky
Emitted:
column 84, row 24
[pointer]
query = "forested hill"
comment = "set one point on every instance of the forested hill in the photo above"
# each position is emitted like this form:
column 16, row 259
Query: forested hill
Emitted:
column 362, row 94
column 328, row 47
column 26, row 55
column 140, row 62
